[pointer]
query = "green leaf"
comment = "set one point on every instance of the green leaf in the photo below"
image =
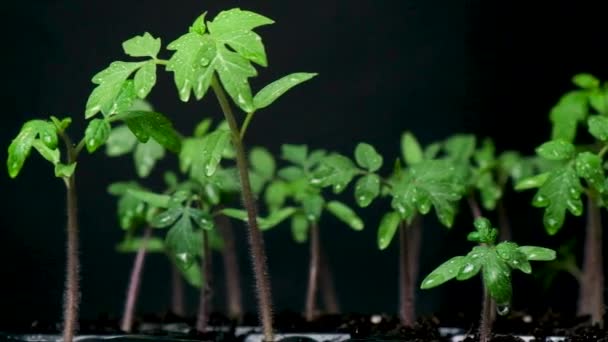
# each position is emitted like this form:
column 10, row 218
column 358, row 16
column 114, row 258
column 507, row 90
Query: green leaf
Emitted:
column 234, row 20
column 431, row 182
column 446, row 271
column 96, row 134
column 156, row 200
column 64, row 171
column 367, row 157
column 489, row 190
column 21, row 145
column 238, row 214
column 167, row 217
column 560, row 193
column 146, row 155
column 296, row 154
column 142, row 46
column 345, row 214
column 52, row 155
column 275, row 195
column 410, row 149
column 192, row 274
column 472, row 263
column 193, row 64
column 213, row 146
column 598, row 127
column 497, row 279
column 202, row 219
column 62, row 124
column 146, row 125
column 312, row 204
column 132, row 245
column 586, row 81
column 367, row 188
column 387, row 229
column 145, row 79
column 276, row 217
column 589, row 167
column 183, row 242
column 537, row 253
column 262, row 162
column 299, row 228
column 509, row 252
column 291, row 173
column 202, row 128
column 460, row 147
column 565, row 116
column 120, row 141
column 556, row 150
column 234, row 72
column 276, row 89
column 532, row 182
column 598, row 99
column 110, row 83
column 125, row 99
column 198, row 26
column 334, row 170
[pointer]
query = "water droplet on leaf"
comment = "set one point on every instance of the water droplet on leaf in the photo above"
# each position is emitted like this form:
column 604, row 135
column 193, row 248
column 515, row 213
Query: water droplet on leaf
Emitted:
column 503, row 309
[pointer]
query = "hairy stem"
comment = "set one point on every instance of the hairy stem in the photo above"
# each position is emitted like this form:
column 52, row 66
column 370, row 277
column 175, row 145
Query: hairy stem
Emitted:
column 204, row 305
column 126, row 324
column 591, row 293
column 503, row 221
column 313, row 273
column 328, row 291
column 485, row 325
column 177, row 292
column 72, row 286
column 256, row 241
column 406, row 303
column 231, row 268
column 413, row 241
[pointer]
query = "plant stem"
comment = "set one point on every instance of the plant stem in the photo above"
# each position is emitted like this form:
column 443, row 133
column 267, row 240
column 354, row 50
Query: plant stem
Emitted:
column 72, row 286
column 591, row 293
column 231, row 268
column 503, row 221
column 126, row 324
column 177, row 292
column 313, row 272
column 413, row 242
column 485, row 325
column 204, row 305
column 256, row 241
column 474, row 206
column 245, row 125
column 328, row 291
column 406, row 309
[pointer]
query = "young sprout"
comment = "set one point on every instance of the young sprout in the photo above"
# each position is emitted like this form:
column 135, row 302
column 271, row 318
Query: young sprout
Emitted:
column 560, row 185
column 495, row 262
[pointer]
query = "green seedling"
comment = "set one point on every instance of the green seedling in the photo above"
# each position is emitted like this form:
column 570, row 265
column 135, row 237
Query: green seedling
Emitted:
column 427, row 182
column 574, row 171
column 495, row 262
column 219, row 55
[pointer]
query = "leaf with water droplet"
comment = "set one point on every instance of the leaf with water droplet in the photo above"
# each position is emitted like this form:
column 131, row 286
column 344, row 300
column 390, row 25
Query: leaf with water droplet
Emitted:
column 537, row 253
column 567, row 113
column 145, row 79
column 96, row 134
column 166, row 218
column 183, row 243
column 472, row 263
column 146, row 125
column 312, row 205
column 21, row 145
column 598, row 127
column 142, row 46
column 345, row 214
column 367, row 188
column 202, row 219
column 497, row 278
column 299, row 228
column 334, row 170
column 556, row 150
column 446, row 271
column 272, row 91
column 367, row 157
column 410, row 149
column 387, row 229
column 589, row 166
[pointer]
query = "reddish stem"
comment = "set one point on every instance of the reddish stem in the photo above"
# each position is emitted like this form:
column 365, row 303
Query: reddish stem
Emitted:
column 406, row 292
column 72, row 290
column 134, row 282
column 485, row 325
column 591, row 293
column 313, row 273
column 231, row 268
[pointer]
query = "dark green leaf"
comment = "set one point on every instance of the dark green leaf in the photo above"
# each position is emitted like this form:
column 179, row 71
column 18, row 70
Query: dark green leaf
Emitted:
column 156, row 200
column 202, row 219
column 183, row 242
column 167, row 217
column 497, row 279
column 387, row 229
column 142, row 46
column 96, row 134
column 146, row 125
column 367, row 157
column 589, row 167
column 313, row 207
column 598, row 127
column 274, row 90
column 537, row 253
column 334, row 170
column 410, row 149
column 345, row 214
column 367, row 188
column 192, row 274
column 484, row 232
column 556, row 150
column 446, row 271
column 516, row 259
column 472, row 263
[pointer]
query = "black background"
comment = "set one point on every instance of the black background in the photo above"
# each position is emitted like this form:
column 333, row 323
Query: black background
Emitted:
column 435, row 67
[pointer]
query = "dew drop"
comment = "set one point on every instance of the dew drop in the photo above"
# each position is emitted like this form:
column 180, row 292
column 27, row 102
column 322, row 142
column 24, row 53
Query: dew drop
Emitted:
column 503, row 310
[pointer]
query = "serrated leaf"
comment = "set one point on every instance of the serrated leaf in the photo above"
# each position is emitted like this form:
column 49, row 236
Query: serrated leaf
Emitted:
column 234, row 72
column 586, row 81
column 120, row 141
column 145, row 79
column 146, row 155
column 410, row 149
column 367, row 188
column 229, row 21
column 334, row 170
column 96, row 134
column 598, row 127
column 429, row 183
column 567, row 113
column 299, row 228
column 537, row 253
column 589, row 167
column 387, row 229
column 367, row 157
column 21, row 145
column 497, row 279
column 142, row 46
column 156, row 200
column 446, row 271
column 345, row 214
column 146, row 125
column 64, row 171
column 271, row 92
column 262, row 162
column 132, row 245
column 556, row 150
column 560, row 193
column 110, row 83
column 472, row 263
column 247, row 44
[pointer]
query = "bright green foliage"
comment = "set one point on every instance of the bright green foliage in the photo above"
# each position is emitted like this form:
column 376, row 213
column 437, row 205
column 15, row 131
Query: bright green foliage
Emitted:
column 142, row 46
column 494, row 261
column 586, row 81
column 146, row 155
column 388, row 227
column 367, row 157
column 132, row 211
column 265, row 223
column 202, row 156
column 345, row 214
column 556, row 150
column 589, row 167
column 262, row 163
column 428, row 183
column 267, row 95
column 132, row 245
column 335, row 170
column 366, row 189
column 410, row 149
column 565, row 116
column 39, row 134
column 96, row 134
column 146, row 125
column 64, row 171
column 598, row 127
column 297, row 154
